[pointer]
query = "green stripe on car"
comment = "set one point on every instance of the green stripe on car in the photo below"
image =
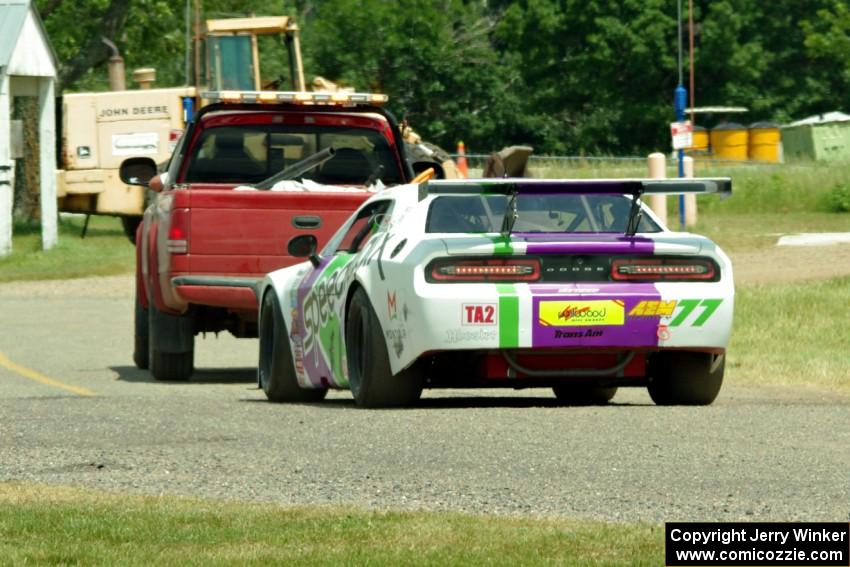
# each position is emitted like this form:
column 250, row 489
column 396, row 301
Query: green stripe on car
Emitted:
column 502, row 245
column 508, row 316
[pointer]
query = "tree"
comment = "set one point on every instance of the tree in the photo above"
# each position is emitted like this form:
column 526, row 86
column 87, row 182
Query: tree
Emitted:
column 76, row 30
column 598, row 75
column 155, row 36
column 767, row 57
column 566, row 76
column 434, row 58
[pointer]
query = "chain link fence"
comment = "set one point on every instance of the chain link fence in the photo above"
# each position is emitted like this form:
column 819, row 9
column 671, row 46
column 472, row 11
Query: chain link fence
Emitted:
column 551, row 167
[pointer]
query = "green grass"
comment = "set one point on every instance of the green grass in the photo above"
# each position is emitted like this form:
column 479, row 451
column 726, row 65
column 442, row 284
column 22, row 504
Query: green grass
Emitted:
column 778, row 188
column 762, row 188
column 56, row 525
column 792, row 334
column 104, row 251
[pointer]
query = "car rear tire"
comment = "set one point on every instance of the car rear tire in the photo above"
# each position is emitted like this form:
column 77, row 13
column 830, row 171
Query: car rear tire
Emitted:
column 171, row 345
column 686, row 378
column 583, row 395
column 276, row 372
column 369, row 375
column 140, row 343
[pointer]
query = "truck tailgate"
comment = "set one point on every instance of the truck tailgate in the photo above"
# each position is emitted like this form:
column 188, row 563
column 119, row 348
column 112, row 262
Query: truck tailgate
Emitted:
column 246, row 232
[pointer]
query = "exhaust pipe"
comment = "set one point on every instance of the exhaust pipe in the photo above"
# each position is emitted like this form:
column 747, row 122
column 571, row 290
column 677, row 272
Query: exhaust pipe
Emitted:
column 117, row 82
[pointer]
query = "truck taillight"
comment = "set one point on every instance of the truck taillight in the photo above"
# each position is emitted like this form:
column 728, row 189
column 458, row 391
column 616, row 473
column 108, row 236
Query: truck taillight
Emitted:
column 664, row 269
column 178, row 232
column 487, row 270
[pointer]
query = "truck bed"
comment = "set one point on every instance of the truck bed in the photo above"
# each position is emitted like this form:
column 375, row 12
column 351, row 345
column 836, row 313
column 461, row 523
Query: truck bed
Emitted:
column 245, row 233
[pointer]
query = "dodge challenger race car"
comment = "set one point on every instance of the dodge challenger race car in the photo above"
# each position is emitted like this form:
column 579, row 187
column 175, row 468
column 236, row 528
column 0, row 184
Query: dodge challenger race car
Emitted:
column 569, row 284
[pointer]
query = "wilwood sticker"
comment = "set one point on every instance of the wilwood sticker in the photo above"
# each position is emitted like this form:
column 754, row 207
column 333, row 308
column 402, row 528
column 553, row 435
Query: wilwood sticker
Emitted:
column 581, row 313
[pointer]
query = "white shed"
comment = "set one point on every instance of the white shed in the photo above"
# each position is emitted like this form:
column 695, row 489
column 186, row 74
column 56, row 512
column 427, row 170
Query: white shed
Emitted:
column 27, row 68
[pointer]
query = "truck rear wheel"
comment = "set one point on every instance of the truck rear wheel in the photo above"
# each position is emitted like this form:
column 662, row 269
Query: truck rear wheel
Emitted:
column 276, row 372
column 686, row 378
column 130, row 224
column 140, row 343
column 171, row 345
column 369, row 375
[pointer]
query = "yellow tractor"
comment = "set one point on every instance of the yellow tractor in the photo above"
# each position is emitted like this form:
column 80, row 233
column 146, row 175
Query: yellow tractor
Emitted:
column 100, row 130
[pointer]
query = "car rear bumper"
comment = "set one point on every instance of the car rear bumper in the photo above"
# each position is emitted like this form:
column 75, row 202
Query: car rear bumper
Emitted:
column 611, row 317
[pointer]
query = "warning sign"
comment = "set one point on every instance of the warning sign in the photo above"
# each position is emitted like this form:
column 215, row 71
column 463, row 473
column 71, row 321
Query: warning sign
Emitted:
column 683, row 134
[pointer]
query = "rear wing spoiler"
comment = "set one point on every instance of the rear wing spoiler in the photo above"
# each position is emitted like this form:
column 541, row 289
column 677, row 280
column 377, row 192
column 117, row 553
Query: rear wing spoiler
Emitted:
column 636, row 187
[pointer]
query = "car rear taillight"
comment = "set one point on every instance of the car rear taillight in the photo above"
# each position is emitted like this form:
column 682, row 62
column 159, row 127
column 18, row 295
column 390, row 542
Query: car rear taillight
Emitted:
column 487, row 270
column 178, row 232
column 664, row 269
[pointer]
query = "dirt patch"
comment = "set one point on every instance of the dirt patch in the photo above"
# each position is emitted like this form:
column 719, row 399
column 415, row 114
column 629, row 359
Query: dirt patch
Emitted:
column 790, row 264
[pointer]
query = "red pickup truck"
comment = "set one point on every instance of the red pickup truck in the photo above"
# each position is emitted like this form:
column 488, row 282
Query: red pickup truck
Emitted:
column 203, row 244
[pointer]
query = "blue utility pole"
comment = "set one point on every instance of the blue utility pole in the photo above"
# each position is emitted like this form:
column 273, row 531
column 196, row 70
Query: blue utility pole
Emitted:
column 680, row 97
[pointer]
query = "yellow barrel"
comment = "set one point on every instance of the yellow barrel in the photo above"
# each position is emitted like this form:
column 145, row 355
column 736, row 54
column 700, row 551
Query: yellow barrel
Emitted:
column 729, row 141
column 700, row 142
column 765, row 141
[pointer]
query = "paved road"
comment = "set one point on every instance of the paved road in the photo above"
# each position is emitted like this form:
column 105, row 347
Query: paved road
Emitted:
column 767, row 454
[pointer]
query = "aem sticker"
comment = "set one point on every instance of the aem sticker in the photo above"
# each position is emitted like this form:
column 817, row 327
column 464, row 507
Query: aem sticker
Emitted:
column 686, row 307
column 479, row 314
column 581, row 313
column 648, row 308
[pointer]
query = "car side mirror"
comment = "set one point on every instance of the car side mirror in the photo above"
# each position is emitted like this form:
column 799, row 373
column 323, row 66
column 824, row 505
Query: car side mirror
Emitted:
column 137, row 171
column 304, row 246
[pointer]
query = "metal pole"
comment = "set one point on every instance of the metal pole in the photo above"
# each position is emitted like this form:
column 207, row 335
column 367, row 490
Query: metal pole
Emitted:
column 680, row 97
column 691, row 200
column 197, row 46
column 187, row 55
column 679, row 20
column 691, row 57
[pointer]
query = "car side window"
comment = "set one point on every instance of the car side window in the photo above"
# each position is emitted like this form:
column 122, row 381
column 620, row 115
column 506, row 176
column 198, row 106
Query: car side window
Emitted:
column 367, row 222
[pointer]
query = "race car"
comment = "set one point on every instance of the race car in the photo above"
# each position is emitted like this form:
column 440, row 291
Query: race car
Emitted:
column 573, row 285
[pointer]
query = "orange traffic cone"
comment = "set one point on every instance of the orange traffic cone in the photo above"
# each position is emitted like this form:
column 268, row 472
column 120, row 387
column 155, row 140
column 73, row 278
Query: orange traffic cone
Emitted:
column 461, row 160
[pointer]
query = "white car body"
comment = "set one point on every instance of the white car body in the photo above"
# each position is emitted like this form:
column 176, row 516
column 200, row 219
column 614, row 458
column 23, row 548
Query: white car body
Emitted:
column 573, row 323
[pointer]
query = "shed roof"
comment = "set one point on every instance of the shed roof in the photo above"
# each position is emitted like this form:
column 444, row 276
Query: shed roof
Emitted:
column 14, row 16
column 824, row 118
column 13, row 13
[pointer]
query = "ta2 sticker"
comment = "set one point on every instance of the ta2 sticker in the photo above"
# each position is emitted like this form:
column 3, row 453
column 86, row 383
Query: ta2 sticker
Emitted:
column 479, row 314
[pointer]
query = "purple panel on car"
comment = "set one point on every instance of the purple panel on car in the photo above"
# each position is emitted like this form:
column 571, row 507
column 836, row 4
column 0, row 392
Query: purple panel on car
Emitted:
column 585, row 316
column 595, row 244
column 315, row 365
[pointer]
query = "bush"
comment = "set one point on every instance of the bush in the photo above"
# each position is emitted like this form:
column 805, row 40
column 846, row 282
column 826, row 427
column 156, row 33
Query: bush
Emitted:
column 838, row 199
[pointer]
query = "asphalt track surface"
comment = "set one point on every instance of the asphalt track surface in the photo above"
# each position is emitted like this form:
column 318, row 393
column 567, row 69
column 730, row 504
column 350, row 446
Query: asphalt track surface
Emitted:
column 75, row 411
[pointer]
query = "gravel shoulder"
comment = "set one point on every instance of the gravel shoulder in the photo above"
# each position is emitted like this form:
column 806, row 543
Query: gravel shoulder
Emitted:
column 790, row 264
